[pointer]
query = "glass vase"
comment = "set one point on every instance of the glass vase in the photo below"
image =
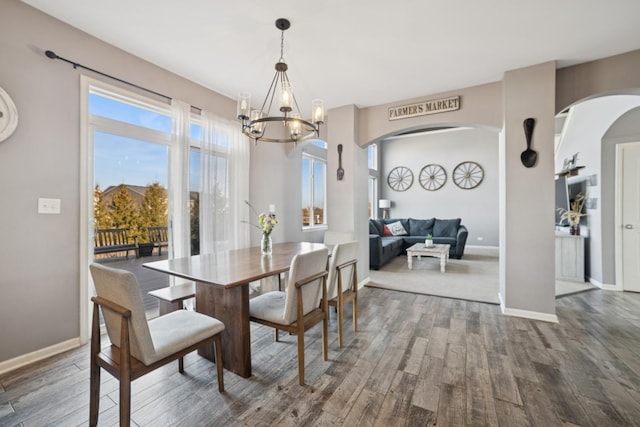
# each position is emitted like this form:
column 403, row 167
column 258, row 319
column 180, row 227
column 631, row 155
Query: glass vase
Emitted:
column 266, row 244
column 574, row 230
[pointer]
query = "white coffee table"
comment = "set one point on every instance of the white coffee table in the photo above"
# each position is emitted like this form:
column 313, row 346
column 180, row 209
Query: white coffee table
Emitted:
column 436, row 251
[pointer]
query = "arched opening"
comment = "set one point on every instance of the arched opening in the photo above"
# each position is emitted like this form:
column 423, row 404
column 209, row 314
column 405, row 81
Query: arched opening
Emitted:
column 445, row 147
column 590, row 129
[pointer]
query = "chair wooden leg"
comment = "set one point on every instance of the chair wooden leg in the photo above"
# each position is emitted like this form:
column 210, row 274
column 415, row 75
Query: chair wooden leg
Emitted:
column 218, row 349
column 125, row 375
column 94, row 382
column 94, row 395
column 325, row 334
column 125, row 402
column 301, row 358
column 340, row 319
column 355, row 312
column 181, row 365
column 354, row 301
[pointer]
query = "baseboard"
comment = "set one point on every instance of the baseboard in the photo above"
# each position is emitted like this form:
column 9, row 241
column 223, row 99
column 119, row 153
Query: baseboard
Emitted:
column 481, row 247
column 605, row 286
column 43, row 353
column 594, row 282
column 534, row 315
column 363, row 283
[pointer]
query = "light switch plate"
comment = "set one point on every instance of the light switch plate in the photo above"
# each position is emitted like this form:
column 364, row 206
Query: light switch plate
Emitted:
column 48, row 206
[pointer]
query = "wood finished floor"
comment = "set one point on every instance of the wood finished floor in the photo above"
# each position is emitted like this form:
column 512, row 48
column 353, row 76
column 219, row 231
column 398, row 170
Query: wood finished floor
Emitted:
column 416, row 360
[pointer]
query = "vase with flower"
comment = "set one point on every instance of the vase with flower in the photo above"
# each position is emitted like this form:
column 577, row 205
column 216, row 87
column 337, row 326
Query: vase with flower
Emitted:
column 574, row 213
column 266, row 224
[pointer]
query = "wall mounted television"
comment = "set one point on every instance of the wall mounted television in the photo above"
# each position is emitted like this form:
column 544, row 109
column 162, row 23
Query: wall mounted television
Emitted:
column 562, row 198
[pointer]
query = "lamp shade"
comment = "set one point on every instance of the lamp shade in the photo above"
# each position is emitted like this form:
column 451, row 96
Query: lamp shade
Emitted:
column 384, row 204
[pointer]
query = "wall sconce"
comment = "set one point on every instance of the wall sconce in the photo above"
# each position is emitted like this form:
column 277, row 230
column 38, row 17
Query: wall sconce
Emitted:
column 385, row 205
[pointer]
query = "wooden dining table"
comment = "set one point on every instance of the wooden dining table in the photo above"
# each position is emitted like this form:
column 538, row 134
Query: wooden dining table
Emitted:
column 222, row 291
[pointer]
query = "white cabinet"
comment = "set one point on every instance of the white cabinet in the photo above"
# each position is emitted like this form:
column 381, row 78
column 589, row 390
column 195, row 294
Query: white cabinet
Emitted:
column 570, row 257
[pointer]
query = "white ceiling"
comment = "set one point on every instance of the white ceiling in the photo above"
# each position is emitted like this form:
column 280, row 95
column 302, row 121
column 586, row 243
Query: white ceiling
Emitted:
column 362, row 52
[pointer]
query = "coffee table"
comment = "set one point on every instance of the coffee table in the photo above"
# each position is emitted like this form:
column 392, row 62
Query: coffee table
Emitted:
column 436, row 251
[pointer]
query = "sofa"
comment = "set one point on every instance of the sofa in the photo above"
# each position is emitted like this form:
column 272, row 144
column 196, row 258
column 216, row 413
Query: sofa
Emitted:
column 389, row 238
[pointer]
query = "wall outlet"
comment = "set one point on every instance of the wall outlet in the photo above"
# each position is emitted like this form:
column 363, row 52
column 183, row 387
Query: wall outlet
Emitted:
column 48, row 206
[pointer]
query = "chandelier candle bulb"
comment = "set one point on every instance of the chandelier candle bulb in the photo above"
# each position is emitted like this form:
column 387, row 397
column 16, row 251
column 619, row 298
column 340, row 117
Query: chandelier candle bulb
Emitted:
column 244, row 106
column 294, row 125
column 256, row 128
column 317, row 107
column 285, row 96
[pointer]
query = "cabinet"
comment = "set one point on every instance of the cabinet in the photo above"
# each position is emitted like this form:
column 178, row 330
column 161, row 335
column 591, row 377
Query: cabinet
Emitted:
column 570, row 257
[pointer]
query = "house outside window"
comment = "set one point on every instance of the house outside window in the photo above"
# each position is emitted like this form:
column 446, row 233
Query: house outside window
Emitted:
column 372, row 157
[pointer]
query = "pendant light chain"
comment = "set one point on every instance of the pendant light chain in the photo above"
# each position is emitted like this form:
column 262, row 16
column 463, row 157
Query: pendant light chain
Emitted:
column 281, row 46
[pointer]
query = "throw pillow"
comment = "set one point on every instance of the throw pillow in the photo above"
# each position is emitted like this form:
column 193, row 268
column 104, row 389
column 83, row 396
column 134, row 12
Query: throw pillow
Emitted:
column 421, row 227
column 386, row 231
column 396, row 229
column 446, row 227
column 373, row 228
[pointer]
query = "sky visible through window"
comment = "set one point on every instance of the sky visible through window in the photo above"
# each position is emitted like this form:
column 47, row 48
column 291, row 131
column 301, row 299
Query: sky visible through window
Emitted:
column 125, row 160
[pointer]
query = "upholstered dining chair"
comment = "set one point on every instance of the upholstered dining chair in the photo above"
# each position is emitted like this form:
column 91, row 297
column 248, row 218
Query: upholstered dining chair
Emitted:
column 343, row 282
column 139, row 346
column 301, row 306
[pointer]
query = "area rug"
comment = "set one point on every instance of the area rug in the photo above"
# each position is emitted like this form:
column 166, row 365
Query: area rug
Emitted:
column 472, row 278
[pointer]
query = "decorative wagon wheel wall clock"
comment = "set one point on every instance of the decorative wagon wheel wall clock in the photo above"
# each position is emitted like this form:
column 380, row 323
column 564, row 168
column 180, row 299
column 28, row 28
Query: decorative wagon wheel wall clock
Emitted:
column 468, row 175
column 400, row 178
column 432, row 177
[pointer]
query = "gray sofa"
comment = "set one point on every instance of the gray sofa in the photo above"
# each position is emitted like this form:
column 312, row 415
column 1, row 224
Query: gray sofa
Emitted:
column 385, row 246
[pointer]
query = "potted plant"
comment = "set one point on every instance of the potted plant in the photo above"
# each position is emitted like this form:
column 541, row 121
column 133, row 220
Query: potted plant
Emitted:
column 574, row 213
column 145, row 247
column 428, row 241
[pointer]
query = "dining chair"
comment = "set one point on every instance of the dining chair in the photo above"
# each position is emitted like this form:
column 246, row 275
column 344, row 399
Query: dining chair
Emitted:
column 301, row 306
column 139, row 346
column 343, row 282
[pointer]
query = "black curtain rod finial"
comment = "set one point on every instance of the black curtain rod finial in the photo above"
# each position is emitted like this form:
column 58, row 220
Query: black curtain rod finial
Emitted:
column 51, row 54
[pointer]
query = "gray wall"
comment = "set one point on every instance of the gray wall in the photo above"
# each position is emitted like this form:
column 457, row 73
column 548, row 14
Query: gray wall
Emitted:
column 477, row 207
column 527, row 194
column 39, row 255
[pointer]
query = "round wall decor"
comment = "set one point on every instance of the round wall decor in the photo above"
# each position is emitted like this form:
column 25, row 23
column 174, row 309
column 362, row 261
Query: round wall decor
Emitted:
column 400, row 178
column 8, row 115
column 468, row 175
column 432, row 177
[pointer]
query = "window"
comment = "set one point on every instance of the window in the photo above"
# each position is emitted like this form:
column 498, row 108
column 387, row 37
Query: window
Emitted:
column 221, row 188
column 373, row 197
column 130, row 163
column 372, row 155
column 314, row 179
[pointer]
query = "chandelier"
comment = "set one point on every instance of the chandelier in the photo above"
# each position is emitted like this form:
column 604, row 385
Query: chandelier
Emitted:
column 255, row 123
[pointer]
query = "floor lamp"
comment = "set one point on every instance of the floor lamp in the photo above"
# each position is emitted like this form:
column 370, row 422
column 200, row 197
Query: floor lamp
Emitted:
column 385, row 205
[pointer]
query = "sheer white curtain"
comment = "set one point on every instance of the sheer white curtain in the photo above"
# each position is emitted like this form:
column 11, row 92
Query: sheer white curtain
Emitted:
column 224, row 186
column 179, row 241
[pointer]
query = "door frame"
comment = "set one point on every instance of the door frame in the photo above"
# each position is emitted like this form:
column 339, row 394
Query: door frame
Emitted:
column 618, row 223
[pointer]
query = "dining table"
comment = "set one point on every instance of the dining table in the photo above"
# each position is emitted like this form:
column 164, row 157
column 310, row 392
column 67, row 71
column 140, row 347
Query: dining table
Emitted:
column 222, row 291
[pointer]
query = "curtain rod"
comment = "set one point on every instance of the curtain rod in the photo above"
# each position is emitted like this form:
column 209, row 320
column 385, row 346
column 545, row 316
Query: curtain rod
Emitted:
column 52, row 55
